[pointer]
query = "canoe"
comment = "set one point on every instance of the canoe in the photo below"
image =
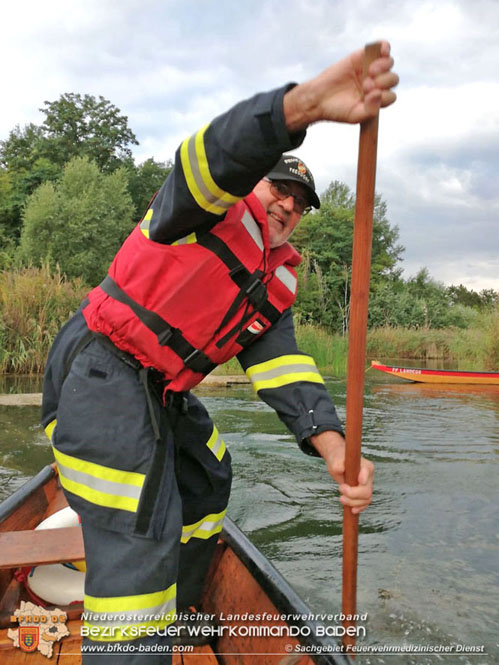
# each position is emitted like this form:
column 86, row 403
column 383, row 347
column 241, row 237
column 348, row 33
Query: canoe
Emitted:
column 438, row 375
column 242, row 583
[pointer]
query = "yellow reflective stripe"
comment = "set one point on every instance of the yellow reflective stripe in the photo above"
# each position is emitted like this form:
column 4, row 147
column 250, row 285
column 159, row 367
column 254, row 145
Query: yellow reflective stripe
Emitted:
column 96, row 496
column 128, row 617
column 186, row 240
column 282, row 371
column 101, row 485
column 50, row 429
column 206, row 527
column 286, row 379
column 203, row 188
column 119, row 604
column 146, row 222
column 98, row 471
column 204, row 168
column 216, row 444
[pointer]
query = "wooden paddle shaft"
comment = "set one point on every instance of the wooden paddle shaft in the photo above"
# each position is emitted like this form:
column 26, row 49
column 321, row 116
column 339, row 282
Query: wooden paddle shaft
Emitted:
column 359, row 300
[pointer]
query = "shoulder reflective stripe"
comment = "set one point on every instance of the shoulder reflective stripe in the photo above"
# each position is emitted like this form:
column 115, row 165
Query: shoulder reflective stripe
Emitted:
column 99, row 484
column 283, row 371
column 252, row 228
column 287, row 278
column 49, row 430
column 186, row 240
column 127, row 617
column 146, row 222
column 216, row 444
column 205, row 528
column 197, row 174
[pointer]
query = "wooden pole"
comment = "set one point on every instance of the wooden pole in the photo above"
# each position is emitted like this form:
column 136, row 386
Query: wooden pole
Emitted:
column 359, row 300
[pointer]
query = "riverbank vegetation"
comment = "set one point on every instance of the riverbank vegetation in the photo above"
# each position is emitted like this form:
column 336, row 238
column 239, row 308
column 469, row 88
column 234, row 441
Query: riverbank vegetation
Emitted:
column 36, row 302
column 70, row 192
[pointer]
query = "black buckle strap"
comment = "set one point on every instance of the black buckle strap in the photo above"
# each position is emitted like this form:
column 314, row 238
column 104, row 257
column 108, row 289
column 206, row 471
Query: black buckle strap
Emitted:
column 257, row 293
column 249, row 283
column 167, row 335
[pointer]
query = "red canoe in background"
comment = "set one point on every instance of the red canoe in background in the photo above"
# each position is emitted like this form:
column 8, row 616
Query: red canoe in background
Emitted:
column 438, row 375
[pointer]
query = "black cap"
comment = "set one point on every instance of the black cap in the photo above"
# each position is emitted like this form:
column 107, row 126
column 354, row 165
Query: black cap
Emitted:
column 292, row 168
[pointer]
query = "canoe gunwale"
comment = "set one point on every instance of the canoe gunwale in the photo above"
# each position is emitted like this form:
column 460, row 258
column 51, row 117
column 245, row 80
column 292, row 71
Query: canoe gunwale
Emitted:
column 435, row 376
column 16, row 500
column 283, row 596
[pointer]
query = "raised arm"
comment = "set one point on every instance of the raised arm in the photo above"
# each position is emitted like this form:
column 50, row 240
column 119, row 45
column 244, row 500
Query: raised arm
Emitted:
column 223, row 161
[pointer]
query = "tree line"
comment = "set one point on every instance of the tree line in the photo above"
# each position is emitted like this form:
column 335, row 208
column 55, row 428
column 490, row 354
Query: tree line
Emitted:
column 70, row 192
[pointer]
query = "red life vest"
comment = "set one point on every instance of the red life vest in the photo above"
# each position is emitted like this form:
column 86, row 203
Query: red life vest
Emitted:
column 186, row 307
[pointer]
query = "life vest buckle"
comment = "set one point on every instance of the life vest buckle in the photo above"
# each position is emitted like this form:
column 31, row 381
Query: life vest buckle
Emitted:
column 165, row 336
column 257, row 293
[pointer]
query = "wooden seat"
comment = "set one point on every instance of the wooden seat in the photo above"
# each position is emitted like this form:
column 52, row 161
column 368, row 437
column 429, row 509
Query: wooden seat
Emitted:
column 34, row 548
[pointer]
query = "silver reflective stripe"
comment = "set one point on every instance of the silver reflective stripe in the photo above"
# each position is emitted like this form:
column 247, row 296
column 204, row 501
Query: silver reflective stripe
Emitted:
column 205, row 528
column 216, row 444
column 284, row 370
column 99, row 484
column 215, row 448
column 252, row 228
column 287, row 278
column 198, row 178
column 186, row 240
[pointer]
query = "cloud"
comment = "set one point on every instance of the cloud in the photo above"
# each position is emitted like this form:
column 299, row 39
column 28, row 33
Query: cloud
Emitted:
column 171, row 66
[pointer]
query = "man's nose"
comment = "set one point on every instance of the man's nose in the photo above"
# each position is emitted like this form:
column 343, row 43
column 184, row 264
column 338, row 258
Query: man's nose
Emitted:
column 287, row 203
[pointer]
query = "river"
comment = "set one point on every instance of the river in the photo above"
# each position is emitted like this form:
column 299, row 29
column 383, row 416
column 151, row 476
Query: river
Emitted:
column 428, row 545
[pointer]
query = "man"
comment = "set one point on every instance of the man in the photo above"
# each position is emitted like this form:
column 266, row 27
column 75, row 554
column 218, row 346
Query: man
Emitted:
column 207, row 274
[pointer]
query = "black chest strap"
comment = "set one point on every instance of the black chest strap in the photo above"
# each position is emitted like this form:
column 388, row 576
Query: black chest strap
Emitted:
column 250, row 284
column 167, row 335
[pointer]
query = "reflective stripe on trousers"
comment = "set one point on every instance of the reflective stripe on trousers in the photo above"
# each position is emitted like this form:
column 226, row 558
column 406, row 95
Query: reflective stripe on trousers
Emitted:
column 117, row 618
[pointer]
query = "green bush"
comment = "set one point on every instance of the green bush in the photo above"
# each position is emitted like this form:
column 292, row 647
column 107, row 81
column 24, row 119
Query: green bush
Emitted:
column 78, row 223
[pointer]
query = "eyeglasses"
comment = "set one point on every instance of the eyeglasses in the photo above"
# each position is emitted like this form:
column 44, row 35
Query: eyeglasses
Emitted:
column 282, row 191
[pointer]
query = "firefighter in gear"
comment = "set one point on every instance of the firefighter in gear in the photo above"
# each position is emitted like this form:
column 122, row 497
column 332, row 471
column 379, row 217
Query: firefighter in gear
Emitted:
column 208, row 274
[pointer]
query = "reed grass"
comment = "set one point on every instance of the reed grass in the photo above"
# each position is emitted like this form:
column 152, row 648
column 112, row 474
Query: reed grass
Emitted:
column 34, row 304
column 329, row 351
column 476, row 347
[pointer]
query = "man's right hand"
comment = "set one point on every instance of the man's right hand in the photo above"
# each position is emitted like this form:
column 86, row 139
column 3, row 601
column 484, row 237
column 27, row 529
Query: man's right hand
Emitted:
column 340, row 94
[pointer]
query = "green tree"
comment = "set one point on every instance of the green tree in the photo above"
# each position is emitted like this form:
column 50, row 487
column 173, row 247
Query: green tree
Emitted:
column 23, row 169
column 144, row 181
column 460, row 295
column 85, row 126
column 74, row 125
column 79, row 222
column 327, row 236
column 419, row 302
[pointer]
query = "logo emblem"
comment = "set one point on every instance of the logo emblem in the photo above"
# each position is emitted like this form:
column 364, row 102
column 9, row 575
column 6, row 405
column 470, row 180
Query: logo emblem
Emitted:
column 255, row 327
column 38, row 629
column 29, row 637
column 301, row 168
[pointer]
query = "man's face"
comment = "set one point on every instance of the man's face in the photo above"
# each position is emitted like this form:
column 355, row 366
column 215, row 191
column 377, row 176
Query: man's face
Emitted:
column 281, row 216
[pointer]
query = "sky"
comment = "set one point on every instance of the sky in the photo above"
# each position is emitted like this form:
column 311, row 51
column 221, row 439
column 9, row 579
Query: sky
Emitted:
column 171, row 66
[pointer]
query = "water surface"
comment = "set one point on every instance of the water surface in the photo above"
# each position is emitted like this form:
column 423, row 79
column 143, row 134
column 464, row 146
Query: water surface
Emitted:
column 428, row 546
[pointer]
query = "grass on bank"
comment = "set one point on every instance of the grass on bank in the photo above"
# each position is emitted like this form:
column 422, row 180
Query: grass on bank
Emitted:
column 474, row 348
column 36, row 302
